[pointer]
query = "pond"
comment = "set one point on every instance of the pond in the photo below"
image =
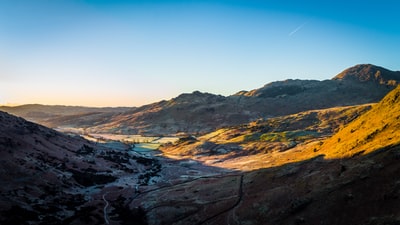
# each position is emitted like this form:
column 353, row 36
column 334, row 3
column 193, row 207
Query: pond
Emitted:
column 145, row 147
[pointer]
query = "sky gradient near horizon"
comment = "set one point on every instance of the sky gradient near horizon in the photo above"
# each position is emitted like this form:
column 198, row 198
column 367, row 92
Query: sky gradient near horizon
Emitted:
column 130, row 53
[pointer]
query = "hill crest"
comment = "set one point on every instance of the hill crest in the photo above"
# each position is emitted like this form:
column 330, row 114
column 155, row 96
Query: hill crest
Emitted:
column 369, row 73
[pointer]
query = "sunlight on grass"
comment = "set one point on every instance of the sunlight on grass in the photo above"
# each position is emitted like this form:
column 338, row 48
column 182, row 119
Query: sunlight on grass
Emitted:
column 360, row 130
column 373, row 130
column 298, row 135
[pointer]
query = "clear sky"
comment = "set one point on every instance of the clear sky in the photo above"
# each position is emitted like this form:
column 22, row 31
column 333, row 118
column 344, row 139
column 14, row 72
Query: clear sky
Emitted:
column 130, row 53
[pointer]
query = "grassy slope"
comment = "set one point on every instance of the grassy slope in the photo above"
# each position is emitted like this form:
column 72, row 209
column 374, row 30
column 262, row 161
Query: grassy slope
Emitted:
column 373, row 130
column 297, row 137
column 266, row 143
column 299, row 126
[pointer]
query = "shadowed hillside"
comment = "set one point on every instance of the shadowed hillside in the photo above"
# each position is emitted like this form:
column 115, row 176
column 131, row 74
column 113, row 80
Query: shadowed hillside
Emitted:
column 361, row 190
column 47, row 177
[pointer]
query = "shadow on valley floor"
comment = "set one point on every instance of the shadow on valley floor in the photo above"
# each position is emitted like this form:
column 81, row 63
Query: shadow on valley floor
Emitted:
column 364, row 189
column 47, row 177
column 49, row 184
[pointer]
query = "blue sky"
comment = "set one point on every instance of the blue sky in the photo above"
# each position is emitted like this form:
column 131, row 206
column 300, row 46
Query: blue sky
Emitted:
column 129, row 53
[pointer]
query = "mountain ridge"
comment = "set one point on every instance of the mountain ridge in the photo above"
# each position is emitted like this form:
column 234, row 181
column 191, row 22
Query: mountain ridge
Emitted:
column 205, row 112
column 197, row 112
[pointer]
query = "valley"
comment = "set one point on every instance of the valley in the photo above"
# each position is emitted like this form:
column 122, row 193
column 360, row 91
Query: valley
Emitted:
column 82, row 181
column 291, row 152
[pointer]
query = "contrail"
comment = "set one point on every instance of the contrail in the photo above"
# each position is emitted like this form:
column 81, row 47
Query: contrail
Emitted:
column 297, row 29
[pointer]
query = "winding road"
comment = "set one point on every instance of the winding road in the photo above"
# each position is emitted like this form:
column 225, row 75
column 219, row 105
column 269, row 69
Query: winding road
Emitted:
column 105, row 209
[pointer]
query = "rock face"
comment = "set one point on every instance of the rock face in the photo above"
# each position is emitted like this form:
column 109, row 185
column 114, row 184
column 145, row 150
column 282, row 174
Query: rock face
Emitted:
column 203, row 112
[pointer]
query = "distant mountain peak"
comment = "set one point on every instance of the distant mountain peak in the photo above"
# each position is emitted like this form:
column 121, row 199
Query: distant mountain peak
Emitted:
column 197, row 96
column 370, row 73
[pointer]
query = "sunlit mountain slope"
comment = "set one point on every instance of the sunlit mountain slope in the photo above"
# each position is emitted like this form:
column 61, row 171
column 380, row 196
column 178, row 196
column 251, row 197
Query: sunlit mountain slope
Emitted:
column 376, row 129
column 265, row 143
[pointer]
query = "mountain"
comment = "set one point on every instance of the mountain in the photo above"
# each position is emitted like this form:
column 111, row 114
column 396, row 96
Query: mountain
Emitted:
column 196, row 112
column 199, row 113
column 326, row 166
column 55, row 116
column 369, row 73
column 48, row 177
column 202, row 112
column 348, row 178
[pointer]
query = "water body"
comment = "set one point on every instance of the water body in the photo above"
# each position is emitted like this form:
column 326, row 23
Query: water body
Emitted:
column 146, row 147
